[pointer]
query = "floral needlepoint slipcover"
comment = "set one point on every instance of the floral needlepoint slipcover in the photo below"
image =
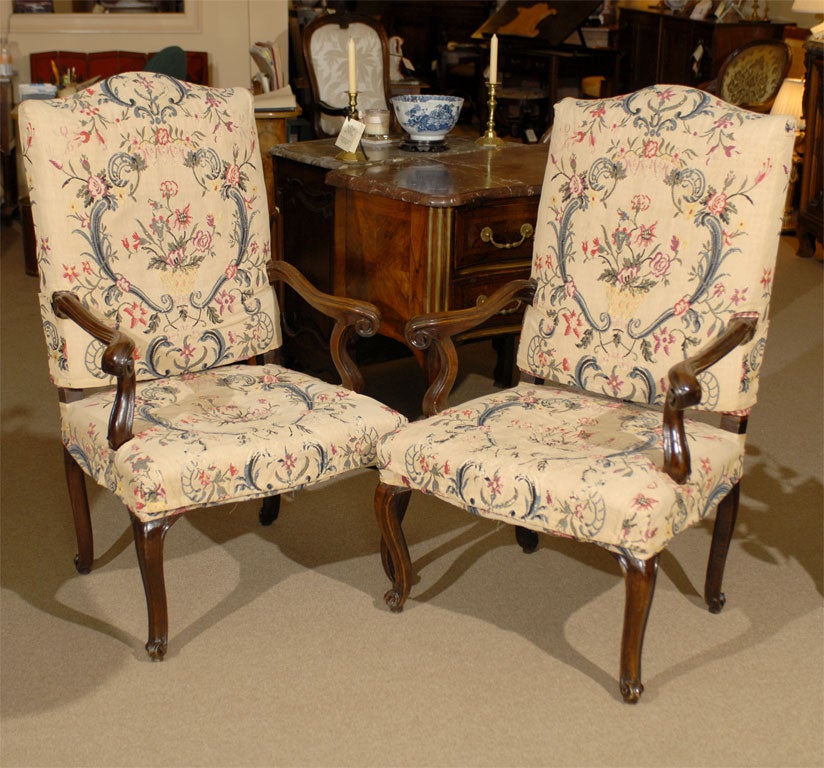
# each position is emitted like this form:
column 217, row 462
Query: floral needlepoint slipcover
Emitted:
column 658, row 225
column 150, row 206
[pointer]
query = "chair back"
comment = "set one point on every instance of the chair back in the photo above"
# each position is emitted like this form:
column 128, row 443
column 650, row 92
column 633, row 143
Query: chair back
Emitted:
column 658, row 223
column 752, row 75
column 149, row 204
column 326, row 51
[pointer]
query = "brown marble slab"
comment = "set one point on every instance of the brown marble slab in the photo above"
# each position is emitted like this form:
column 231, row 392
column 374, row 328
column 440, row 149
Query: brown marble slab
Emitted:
column 463, row 174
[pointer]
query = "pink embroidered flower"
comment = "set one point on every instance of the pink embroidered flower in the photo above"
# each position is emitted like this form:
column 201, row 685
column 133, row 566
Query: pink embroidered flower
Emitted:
column 615, row 383
column 176, row 256
column 231, row 271
column 289, row 460
column 136, row 313
column 87, row 267
column 766, row 278
column 718, row 290
column 663, row 340
column 651, row 148
column 645, row 234
column 739, row 296
column 202, row 240
column 494, row 485
column 210, row 220
column 569, row 288
column 681, row 307
column 123, row 284
column 574, row 324
column 162, row 136
column 70, row 273
column 181, row 217
column 576, row 185
column 644, row 502
column 96, row 187
column 225, row 300
column 627, row 275
column 640, row 202
column 232, row 175
column 717, row 203
column 187, row 351
column 168, row 188
column 660, row 264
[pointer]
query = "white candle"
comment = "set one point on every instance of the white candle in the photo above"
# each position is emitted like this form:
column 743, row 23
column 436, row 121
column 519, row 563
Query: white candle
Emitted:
column 493, row 60
column 353, row 72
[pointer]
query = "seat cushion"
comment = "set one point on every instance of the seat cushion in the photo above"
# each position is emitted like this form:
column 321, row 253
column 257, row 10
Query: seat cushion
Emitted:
column 564, row 463
column 238, row 432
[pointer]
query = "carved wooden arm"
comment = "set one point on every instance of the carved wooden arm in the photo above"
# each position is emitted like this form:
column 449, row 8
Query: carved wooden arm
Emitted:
column 350, row 316
column 438, row 328
column 328, row 109
column 685, row 391
column 118, row 361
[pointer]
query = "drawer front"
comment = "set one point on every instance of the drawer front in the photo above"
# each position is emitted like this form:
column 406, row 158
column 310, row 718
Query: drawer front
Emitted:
column 471, row 290
column 495, row 233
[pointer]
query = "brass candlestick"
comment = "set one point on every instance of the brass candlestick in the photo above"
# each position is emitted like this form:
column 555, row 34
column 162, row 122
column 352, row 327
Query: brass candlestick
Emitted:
column 358, row 156
column 490, row 138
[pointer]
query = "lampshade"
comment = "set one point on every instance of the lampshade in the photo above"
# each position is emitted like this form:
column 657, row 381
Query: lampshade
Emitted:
column 789, row 99
column 808, row 6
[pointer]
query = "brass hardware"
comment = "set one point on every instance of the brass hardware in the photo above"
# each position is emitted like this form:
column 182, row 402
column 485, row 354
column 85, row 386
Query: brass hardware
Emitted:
column 516, row 305
column 488, row 237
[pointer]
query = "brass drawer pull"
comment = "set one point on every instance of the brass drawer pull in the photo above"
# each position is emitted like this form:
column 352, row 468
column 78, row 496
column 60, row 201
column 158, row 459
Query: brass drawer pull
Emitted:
column 487, row 236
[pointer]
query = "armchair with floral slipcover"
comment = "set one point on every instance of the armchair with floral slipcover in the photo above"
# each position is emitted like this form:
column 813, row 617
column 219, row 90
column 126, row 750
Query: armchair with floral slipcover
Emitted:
column 653, row 259
column 325, row 51
column 161, row 322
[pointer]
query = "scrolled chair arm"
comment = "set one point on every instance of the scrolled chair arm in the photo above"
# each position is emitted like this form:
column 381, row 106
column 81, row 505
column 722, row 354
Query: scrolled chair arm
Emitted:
column 350, row 316
column 328, row 109
column 118, row 361
column 438, row 328
column 685, row 391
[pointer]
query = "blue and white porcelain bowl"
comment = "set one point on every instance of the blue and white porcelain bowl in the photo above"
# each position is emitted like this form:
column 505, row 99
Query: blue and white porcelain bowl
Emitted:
column 427, row 117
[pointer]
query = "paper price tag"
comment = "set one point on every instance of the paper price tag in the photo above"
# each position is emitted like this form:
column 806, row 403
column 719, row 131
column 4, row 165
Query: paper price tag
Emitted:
column 350, row 135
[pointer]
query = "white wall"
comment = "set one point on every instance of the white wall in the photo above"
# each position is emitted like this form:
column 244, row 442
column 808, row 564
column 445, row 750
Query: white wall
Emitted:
column 223, row 28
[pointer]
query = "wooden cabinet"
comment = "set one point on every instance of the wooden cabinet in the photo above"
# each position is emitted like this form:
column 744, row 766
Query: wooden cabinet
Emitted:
column 413, row 233
column 811, row 202
column 659, row 46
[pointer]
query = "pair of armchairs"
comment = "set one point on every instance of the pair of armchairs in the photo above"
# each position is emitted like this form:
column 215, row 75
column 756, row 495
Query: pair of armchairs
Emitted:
column 655, row 244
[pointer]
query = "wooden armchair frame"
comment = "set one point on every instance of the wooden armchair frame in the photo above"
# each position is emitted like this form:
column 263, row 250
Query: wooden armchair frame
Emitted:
column 350, row 316
column 435, row 333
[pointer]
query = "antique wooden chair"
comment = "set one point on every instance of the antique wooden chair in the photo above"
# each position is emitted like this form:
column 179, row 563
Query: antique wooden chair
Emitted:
column 654, row 250
column 751, row 75
column 325, row 51
column 153, row 246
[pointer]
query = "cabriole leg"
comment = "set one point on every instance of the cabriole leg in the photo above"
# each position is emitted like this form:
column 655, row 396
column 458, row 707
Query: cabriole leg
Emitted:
column 148, row 539
column 269, row 510
column 721, row 538
column 526, row 538
column 639, row 579
column 76, row 481
column 390, row 508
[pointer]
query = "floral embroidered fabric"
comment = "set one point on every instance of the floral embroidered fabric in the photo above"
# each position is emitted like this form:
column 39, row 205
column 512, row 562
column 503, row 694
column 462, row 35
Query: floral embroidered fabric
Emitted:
column 658, row 223
column 150, row 205
column 564, row 463
column 237, row 432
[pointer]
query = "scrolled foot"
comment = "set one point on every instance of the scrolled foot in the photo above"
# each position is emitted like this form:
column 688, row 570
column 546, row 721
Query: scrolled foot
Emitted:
column 156, row 648
column 81, row 566
column 527, row 538
column 715, row 604
column 394, row 600
column 631, row 690
column 269, row 510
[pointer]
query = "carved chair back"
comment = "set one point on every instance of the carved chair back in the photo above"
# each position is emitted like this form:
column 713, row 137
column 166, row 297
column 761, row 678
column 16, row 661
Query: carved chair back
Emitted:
column 751, row 76
column 325, row 48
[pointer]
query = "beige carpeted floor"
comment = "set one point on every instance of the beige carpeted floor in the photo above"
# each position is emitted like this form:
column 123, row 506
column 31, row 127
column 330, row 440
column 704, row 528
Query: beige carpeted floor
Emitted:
column 282, row 652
